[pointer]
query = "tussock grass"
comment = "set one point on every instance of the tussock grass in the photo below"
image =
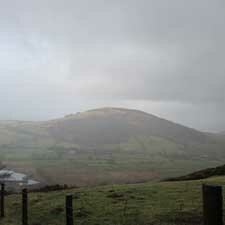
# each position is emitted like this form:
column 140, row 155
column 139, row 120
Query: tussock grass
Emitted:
column 158, row 203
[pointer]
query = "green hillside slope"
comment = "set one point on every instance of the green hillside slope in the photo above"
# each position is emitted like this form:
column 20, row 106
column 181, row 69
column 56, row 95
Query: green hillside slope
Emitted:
column 202, row 174
column 166, row 203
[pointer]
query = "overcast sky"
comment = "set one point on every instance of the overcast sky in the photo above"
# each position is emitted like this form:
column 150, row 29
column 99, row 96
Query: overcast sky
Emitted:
column 166, row 57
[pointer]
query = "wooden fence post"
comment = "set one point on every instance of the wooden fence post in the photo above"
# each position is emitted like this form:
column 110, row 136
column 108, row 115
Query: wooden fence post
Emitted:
column 24, row 207
column 2, row 200
column 212, row 205
column 69, row 210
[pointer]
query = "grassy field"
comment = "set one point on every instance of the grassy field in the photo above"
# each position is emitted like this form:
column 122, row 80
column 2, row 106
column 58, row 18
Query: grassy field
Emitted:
column 98, row 167
column 165, row 203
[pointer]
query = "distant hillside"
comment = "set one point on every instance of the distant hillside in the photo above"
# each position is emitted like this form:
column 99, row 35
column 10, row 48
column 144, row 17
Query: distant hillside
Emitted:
column 99, row 127
column 107, row 145
column 202, row 174
column 115, row 125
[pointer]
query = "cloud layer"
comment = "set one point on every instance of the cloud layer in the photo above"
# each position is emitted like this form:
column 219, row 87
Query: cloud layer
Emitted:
column 165, row 57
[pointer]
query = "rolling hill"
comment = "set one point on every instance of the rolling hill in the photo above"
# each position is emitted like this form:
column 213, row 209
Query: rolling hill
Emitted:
column 107, row 145
column 202, row 174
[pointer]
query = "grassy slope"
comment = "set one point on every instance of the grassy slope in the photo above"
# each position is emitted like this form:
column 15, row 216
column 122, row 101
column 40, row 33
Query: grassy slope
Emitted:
column 149, row 203
column 202, row 174
column 112, row 146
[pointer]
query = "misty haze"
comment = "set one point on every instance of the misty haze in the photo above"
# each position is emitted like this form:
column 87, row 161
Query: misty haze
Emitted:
column 112, row 112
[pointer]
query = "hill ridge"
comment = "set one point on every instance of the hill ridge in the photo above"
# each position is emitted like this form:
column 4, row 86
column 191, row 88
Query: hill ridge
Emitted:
column 201, row 174
column 107, row 145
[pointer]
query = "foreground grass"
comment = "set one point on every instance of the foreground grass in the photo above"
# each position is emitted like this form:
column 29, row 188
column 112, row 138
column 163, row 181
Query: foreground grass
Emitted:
column 166, row 203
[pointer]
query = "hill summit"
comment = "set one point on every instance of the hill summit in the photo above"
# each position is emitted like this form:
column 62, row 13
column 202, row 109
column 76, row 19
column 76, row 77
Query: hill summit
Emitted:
column 117, row 125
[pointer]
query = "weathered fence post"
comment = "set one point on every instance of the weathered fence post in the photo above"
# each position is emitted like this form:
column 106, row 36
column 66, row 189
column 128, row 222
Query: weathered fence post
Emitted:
column 69, row 210
column 24, row 207
column 212, row 205
column 2, row 200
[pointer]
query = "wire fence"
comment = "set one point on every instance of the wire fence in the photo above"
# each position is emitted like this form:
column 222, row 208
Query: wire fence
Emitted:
column 212, row 197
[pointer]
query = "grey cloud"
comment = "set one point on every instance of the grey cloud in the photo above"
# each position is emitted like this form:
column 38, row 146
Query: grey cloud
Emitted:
column 65, row 56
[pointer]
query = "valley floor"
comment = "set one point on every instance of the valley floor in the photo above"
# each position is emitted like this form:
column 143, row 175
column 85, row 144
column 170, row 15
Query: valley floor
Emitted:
column 165, row 203
column 91, row 168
